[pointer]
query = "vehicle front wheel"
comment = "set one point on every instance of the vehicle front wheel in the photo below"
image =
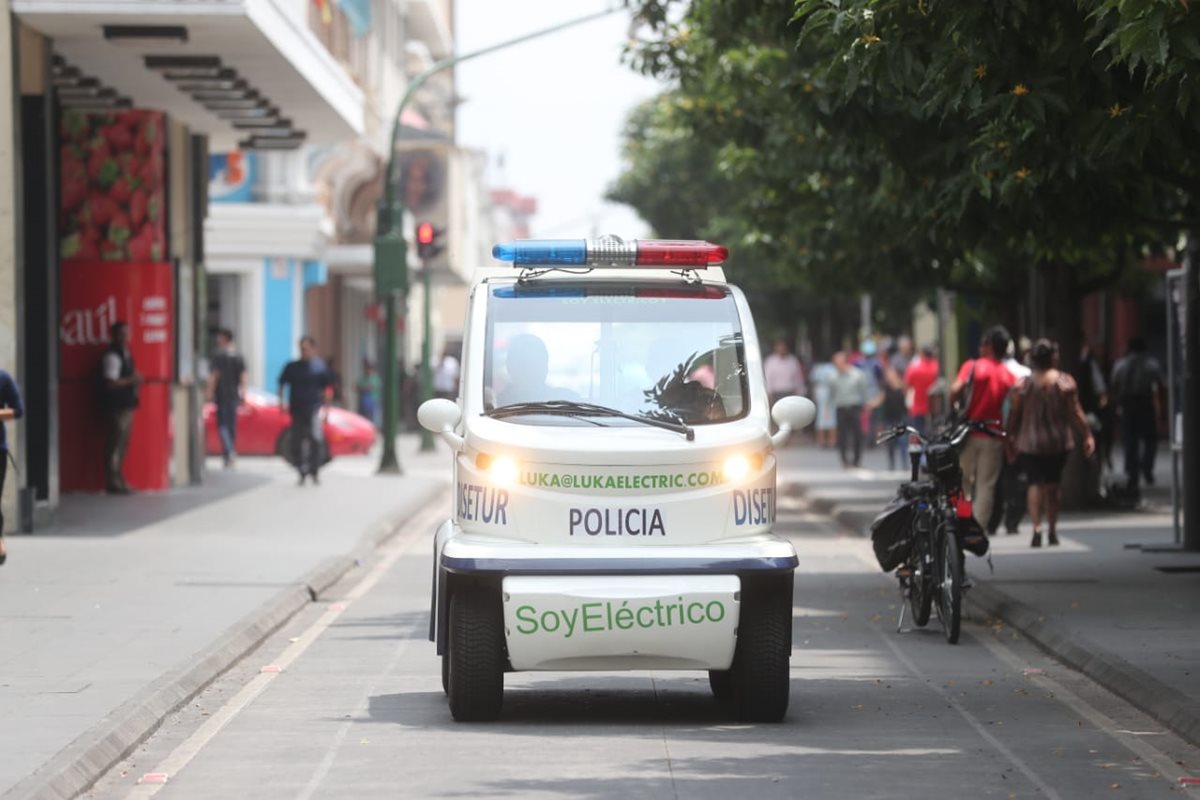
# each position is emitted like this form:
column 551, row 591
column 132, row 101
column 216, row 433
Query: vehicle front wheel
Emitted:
column 760, row 675
column 476, row 658
column 721, row 683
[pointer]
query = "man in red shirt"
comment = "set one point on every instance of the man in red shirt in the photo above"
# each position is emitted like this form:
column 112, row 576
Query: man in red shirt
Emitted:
column 986, row 382
column 922, row 373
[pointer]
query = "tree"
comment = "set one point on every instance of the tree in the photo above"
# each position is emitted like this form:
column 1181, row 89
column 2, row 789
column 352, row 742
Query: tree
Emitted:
column 935, row 142
column 685, row 189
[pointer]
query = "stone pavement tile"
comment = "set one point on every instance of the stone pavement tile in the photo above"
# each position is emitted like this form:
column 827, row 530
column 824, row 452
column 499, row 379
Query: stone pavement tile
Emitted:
column 121, row 591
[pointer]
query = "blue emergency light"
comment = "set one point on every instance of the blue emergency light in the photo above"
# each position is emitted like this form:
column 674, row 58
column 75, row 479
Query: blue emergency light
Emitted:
column 610, row 251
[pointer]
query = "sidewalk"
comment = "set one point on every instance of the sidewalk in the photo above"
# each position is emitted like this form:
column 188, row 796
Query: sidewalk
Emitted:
column 124, row 604
column 1128, row 618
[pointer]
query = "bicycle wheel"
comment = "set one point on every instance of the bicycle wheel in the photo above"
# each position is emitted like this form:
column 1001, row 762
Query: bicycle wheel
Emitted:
column 950, row 584
column 920, row 588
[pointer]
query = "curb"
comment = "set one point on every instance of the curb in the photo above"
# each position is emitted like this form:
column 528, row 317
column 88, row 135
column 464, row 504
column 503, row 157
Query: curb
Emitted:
column 1168, row 706
column 77, row 767
column 854, row 519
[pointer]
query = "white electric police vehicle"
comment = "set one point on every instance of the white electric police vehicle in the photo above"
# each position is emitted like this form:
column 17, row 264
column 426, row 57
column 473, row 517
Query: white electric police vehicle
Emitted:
column 614, row 478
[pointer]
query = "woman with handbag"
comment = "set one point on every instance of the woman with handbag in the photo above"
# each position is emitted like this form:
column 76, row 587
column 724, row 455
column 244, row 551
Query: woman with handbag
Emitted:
column 1043, row 423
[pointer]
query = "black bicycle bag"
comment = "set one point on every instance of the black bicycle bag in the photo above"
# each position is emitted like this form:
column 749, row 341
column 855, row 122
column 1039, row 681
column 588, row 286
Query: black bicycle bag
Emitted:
column 892, row 532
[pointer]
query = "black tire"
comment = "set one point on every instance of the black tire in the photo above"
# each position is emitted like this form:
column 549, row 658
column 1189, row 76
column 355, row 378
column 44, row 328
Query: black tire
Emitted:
column 920, row 594
column 475, row 683
column 721, row 683
column 446, row 673
column 950, row 586
column 920, row 565
column 761, row 679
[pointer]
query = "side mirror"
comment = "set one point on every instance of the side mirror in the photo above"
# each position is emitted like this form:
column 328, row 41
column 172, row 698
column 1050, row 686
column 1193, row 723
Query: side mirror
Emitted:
column 791, row 414
column 440, row 416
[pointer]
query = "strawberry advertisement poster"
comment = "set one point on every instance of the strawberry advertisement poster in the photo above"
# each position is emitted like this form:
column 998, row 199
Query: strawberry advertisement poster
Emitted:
column 112, row 171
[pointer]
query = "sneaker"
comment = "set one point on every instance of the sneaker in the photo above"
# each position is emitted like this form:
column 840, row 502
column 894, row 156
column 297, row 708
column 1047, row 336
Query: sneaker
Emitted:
column 1037, row 540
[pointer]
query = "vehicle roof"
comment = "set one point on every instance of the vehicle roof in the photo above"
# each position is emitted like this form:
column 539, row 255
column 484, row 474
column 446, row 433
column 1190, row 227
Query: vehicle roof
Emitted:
column 508, row 274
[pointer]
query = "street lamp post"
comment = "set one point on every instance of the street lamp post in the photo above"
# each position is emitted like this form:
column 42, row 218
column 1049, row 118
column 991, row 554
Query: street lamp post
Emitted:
column 391, row 252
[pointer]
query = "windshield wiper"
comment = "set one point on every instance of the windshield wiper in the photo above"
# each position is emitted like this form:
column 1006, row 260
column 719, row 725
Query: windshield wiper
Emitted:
column 570, row 408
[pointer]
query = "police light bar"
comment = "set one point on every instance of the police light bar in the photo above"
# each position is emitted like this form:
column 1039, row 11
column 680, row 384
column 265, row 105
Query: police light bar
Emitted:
column 610, row 251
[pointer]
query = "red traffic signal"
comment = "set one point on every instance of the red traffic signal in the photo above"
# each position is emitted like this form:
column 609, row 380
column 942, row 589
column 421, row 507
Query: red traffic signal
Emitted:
column 425, row 233
column 428, row 244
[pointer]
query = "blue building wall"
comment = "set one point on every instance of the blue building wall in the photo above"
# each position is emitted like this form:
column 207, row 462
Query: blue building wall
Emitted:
column 279, row 322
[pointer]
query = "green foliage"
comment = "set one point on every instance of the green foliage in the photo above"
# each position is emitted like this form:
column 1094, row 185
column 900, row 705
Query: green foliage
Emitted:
column 893, row 145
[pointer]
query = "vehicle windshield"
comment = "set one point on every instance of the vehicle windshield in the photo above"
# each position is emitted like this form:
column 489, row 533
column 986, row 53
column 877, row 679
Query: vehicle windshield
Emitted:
column 670, row 353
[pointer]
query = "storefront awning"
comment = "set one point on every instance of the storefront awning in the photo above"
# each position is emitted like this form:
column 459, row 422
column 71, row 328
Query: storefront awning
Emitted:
column 256, row 42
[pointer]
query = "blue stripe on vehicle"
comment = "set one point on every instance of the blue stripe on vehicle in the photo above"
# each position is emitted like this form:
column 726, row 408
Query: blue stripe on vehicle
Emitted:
column 618, row 566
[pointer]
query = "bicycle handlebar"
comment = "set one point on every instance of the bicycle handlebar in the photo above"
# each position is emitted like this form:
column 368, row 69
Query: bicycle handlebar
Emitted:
column 953, row 436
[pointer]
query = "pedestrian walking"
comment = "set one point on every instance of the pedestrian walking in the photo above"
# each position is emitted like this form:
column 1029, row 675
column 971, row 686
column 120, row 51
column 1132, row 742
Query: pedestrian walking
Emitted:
column 1136, row 380
column 11, row 408
column 1044, row 424
column 849, row 394
column 871, row 365
column 119, row 392
column 822, row 376
column 227, row 392
column 783, row 373
column 310, row 389
column 981, row 387
column 893, row 411
column 368, row 387
column 902, row 354
column 1093, row 398
column 1008, row 499
column 922, row 373
column 445, row 376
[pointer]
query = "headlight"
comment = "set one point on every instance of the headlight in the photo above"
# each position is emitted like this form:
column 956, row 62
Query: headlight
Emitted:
column 738, row 467
column 501, row 470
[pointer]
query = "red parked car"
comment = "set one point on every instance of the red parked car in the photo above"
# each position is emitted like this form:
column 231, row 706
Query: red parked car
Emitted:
column 262, row 424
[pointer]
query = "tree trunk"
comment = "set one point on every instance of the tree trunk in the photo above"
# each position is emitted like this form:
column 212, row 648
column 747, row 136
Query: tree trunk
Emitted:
column 1064, row 319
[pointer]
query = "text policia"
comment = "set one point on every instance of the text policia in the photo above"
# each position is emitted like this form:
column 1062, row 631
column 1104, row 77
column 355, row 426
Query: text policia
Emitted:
column 600, row 617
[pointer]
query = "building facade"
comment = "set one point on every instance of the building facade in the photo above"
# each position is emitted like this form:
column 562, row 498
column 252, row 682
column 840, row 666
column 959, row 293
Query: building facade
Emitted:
column 104, row 165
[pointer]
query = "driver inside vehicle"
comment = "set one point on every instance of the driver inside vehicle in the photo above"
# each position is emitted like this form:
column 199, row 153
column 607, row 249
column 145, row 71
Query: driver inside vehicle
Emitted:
column 527, row 363
column 681, row 389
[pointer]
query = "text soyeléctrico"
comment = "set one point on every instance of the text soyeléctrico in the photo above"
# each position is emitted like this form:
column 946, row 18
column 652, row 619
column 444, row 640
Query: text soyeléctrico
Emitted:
column 598, row 617
column 569, row 480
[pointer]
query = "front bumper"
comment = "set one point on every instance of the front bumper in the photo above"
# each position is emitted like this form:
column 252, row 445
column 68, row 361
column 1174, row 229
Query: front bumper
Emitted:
column 469, row 554
column 491, row 560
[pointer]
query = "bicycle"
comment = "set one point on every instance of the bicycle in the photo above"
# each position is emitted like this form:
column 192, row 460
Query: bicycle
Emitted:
column 924, row 531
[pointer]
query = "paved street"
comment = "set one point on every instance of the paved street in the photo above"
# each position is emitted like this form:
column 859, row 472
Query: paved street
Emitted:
column 122, row 593
column 351, row 706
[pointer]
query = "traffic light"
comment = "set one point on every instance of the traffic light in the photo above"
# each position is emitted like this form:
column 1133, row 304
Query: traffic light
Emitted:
column 429, row 244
